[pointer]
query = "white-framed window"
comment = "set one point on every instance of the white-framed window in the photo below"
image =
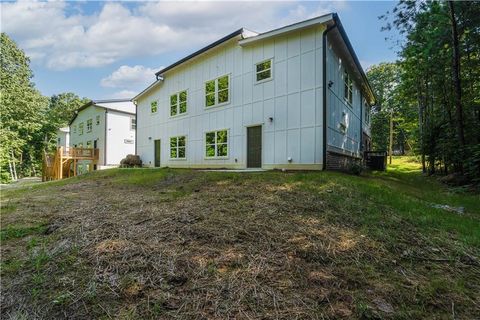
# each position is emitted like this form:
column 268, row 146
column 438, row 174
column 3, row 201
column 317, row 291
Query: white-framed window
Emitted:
column 178, row 147
column 348, row 88
column 80, row 128
column 263, row 71
column 217, row 91
column 216, row 144
column 89, row 144
column 153, row 107
column 97, row 120
column 133, row 123
column 366, row 110
column 89, row 125
column 74, row 129
column 178, row 103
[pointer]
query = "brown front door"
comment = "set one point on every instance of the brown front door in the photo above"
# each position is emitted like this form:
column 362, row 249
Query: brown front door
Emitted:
column 254, row 147
column 157, row 153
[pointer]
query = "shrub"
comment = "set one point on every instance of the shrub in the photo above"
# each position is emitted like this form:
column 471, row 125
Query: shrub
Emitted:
column 131, row 161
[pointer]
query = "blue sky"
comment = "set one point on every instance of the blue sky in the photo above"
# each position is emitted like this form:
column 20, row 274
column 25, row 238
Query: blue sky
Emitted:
column 112, row 49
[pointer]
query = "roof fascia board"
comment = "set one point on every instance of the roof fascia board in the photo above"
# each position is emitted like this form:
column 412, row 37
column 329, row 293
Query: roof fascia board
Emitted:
column 349, row 46
column 290, row 28
column 204, row 49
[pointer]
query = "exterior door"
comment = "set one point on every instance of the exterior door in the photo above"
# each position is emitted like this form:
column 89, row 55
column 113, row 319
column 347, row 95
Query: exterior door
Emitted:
column 157, row 153
column 254, row 147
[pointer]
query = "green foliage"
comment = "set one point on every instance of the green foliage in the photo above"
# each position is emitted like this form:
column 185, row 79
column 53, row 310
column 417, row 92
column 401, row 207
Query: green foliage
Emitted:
column 436, row 113
column 29, row 120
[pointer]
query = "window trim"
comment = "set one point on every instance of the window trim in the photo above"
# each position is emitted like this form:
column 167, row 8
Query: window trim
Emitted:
column 156, row 106
column 133, row 127
column 91, row 125
column 205, row 145
column 216, row 92
column 170, row 148
column 178, row 104
column 80, row 126
column 271, row 71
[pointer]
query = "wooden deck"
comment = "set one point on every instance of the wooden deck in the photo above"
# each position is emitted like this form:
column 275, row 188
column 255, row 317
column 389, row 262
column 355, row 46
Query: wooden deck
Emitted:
column 63, row 162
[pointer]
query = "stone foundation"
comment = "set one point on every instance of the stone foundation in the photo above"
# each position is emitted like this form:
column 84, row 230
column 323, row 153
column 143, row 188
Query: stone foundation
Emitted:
column 340, row 162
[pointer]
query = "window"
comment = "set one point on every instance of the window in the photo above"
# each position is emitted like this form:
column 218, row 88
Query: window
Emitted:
column 264, row 70
column 80, row 128
column 80, row 144
column 59, row 140
column 153, row 107
column 216, row 144
column 89, row 125
column 97, row 120
column 217, row 91
column 89, row 144
column 348, row 91
column 366, row 109
column 177, row 147
column 178, row 103
column 74, row 129
column 133, row 123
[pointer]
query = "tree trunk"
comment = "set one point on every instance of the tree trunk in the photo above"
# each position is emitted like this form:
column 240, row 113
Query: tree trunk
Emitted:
column 457, row 83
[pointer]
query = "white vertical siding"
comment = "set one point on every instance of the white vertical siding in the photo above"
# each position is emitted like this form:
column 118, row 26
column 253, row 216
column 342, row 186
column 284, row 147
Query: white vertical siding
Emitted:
column 293, row 99
column 338, row 110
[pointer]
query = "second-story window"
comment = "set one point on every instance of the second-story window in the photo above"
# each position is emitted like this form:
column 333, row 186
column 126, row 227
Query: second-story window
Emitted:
column 74, row 129
column 133, row 123
column 89, row 125
column 348, row 88
column 97, row 120
column 264, row 70
column 366, row 109
column 178, row 103
column 153, row 106
column 80, row 128
column 217, row 91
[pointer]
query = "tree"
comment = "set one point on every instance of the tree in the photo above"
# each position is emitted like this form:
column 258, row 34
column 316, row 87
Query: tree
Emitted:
column 440, row 74
column 21, row 111
column 61, row 109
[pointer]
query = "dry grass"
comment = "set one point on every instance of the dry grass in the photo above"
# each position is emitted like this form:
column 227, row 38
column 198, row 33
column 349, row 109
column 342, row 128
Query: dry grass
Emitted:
column 195, row 245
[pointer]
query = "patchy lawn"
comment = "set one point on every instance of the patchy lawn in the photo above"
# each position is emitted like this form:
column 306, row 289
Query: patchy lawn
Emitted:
column 164, row 243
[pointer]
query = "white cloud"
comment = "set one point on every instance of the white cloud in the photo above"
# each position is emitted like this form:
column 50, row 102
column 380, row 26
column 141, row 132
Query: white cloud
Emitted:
column 123, row 94
column 61, row 36
column 129, row 77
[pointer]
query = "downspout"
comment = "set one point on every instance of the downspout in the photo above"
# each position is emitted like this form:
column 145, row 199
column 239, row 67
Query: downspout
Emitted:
column 105, row 140
column 324, row 70
column 361, row 124
column 136, row 124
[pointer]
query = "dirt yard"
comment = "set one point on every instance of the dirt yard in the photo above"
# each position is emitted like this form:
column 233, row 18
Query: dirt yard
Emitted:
column 179, row 244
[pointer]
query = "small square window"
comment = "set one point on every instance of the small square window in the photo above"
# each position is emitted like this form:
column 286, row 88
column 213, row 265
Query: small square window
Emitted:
column 263, row 70
column 133, row 123
column 153, row 107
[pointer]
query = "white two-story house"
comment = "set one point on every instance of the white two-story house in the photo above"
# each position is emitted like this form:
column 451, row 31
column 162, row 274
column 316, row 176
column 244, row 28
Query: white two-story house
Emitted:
column 294, row 97
column 106, row 125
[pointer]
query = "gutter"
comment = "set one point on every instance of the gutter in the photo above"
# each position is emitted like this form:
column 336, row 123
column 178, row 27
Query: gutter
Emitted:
column 324, row 71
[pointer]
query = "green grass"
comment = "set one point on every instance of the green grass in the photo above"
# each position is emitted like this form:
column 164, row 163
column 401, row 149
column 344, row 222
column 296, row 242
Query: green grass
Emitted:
column 149, row 243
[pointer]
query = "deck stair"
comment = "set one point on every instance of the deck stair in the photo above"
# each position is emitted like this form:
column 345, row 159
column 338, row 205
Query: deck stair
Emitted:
column 63, row 162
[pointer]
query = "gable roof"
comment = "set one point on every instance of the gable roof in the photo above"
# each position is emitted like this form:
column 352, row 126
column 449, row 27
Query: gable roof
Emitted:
column 331, row 20
column 101, row 104
column 240, row 32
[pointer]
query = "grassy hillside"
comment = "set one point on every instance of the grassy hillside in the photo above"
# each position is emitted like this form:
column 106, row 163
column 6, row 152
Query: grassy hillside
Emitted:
column 164, row 243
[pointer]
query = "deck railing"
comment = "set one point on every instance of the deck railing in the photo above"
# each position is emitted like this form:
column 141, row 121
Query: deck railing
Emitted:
column 70, row 152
